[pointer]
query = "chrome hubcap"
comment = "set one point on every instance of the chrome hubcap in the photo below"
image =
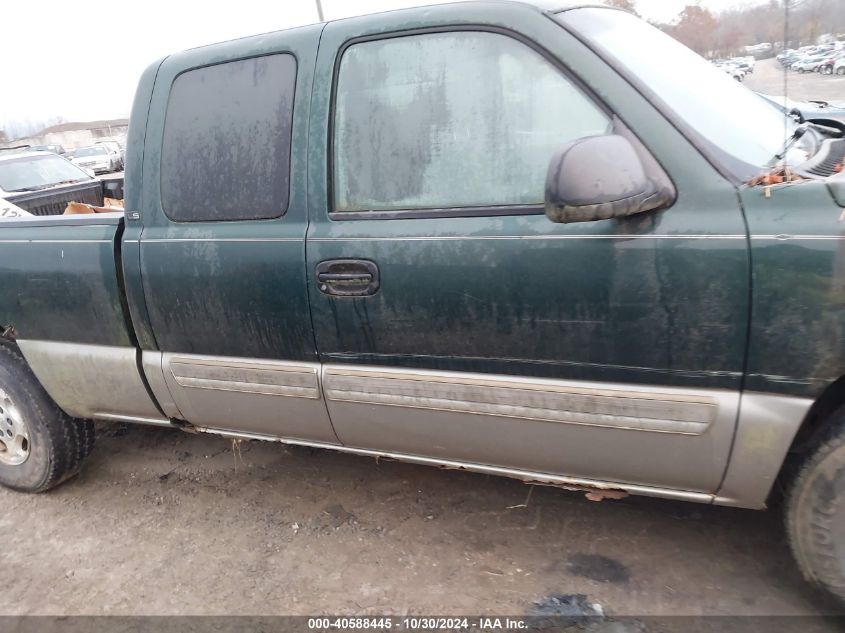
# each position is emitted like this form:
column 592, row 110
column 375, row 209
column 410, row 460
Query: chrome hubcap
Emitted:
column 14, row 434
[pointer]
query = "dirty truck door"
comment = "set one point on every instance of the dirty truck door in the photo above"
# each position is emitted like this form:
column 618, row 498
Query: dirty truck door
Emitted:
column 456, row 321
column 223, row 245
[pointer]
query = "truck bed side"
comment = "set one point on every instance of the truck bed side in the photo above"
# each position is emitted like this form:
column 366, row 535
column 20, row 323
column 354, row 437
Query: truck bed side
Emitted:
column 59, row 279
column 61, row 292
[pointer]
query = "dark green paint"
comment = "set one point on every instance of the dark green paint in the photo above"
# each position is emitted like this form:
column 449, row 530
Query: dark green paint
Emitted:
column 230, row 298
column 61, row 286
column 614, row 301
column 619, row 308
column 131, row 247
column 797, row 343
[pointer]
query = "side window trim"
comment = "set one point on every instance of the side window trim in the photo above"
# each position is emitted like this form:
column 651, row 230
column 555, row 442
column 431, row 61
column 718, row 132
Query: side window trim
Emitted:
column 446, row 212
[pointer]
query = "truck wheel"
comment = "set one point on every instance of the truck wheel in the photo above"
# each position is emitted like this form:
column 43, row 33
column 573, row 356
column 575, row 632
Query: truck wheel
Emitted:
column 40, row 445
column 815, row 512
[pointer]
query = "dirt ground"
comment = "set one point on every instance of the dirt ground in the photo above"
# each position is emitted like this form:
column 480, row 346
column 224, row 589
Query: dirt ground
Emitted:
column 768, row 78
column 163, row 522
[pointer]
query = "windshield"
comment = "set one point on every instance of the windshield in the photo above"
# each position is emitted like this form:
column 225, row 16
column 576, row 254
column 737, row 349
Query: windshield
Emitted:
column 725, row 114
column 38, row 172
column 89, row 151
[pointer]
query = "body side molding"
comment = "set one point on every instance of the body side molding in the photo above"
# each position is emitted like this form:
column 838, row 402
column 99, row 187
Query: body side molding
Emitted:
column 269, row 397
column 279, row 378
column 635, row 408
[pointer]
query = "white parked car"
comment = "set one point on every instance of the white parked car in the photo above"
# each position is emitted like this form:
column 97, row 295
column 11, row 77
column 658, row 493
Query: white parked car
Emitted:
column 98, row 158
column 732, row 69
column 117, row 148
column 745, row 64
column 839, row 67
column 808, row 65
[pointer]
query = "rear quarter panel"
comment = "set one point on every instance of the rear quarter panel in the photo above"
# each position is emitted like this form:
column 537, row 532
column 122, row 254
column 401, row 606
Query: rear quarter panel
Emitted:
column 58, row 280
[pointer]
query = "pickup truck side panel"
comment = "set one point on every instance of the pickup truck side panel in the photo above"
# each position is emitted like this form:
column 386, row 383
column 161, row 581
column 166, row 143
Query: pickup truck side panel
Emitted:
column 797, row 344
column 226, row 301
column 59, row 280
column 796, row 351
column 484, row 329
column 62, row 295
column 239, row 286
column 610, row 353
column 131, row 248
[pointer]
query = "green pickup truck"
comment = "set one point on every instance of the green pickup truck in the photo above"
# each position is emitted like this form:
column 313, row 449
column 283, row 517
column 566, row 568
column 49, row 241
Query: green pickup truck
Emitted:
column 486, row 236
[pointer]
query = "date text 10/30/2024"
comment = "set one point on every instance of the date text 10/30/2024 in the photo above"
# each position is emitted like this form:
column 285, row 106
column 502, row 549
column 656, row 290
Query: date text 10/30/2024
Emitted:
column 417, row 623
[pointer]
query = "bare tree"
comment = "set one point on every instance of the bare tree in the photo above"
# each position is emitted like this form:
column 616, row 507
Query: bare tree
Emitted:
column 696, row 27
column 728, row 32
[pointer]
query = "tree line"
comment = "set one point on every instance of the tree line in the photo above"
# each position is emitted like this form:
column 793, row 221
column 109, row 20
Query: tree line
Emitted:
column 727, row 32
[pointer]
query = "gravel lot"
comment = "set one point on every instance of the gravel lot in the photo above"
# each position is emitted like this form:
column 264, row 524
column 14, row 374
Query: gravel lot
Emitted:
column 163, row 522
column 768, row 77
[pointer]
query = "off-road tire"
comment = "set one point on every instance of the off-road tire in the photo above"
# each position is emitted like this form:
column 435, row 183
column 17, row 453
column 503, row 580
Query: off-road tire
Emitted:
column 815, row 511
column 57, row 443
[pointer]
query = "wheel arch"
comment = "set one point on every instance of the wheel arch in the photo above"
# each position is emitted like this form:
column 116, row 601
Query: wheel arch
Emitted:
column 812, row 429
column 819, row 416
column 56, row 442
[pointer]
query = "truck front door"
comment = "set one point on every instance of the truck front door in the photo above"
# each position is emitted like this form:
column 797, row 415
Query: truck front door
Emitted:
column 454, row 319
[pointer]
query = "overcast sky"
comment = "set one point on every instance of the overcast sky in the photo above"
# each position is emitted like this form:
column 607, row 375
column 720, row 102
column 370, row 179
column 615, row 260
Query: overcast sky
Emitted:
column 81, row 60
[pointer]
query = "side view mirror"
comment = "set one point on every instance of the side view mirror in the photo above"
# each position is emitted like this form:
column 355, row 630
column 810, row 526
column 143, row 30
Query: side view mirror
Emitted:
column 603, row 177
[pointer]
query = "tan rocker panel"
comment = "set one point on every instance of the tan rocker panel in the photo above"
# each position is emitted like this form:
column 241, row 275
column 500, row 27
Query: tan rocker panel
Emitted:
column 271, row 397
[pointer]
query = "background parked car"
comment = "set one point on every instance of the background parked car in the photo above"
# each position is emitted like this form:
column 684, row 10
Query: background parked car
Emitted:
column 839, row 67
column 819, row 111
column 56, row 149
column 99, row 158
column 808, row 65
column 731, row 68
column 117, row 147
column 43, row 183
column 826, row 66
column 746, row 65
column 784, row 56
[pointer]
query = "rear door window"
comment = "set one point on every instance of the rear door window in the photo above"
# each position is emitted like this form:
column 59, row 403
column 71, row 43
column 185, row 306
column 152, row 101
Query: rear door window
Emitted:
column 226, row 148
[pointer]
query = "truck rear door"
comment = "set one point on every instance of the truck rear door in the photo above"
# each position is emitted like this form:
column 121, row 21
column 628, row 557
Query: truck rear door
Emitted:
column 222, row 249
